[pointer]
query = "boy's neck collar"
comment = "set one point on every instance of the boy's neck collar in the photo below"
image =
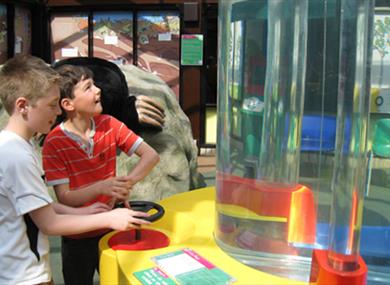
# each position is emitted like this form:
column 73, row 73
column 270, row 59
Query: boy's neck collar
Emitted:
column 78, row 127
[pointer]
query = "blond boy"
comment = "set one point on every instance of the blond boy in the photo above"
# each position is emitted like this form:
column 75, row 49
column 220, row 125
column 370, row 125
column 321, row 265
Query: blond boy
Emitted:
column 30, row 95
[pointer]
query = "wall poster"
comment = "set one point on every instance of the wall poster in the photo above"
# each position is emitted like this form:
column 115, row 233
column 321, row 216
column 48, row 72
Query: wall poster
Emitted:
column 192, row 50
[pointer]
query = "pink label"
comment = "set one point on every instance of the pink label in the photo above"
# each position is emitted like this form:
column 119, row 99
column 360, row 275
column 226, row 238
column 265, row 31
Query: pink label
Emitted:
column 160, row 272
column 189, row 36
column 198, row 258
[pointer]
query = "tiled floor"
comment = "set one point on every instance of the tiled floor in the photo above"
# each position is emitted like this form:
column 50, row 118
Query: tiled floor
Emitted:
column 206, row 166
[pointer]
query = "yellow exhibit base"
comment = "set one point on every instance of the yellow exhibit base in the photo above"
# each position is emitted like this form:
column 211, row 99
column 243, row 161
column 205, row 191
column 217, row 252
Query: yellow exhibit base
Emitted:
column 189, row 223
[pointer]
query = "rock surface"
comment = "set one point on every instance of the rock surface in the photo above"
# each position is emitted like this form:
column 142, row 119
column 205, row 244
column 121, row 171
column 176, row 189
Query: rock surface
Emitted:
column 177, row 170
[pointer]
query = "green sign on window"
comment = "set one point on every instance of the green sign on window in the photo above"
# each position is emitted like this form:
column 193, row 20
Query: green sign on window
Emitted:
column 191, row 49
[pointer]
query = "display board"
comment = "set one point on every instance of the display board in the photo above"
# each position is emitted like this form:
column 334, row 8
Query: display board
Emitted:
column 192, row 49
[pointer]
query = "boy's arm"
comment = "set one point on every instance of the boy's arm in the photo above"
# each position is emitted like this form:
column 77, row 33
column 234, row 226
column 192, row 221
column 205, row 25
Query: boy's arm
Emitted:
column 116, row 187
column 51, row 223
column 92, row 209
column 148, row 159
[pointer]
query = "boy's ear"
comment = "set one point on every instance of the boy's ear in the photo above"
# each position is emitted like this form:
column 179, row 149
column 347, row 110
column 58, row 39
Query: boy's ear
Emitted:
column 21, row 105
column 67, row 104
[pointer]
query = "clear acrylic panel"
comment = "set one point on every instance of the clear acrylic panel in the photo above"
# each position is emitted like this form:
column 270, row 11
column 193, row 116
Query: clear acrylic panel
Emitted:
column 293, row 137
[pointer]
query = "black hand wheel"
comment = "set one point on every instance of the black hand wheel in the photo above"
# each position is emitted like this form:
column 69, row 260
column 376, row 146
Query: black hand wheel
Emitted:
column 146, row 206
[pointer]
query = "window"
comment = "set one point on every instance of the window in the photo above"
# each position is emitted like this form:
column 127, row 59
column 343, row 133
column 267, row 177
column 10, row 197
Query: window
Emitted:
column 113, row 36
column 3, row 34
column 69, row 35
column 380, row 70
column 22, row 31
column 159, row 45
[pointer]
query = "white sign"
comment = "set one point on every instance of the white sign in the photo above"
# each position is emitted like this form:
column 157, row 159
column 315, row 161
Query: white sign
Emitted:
column 18, row 44
column 110, row 40
column 165, row 37
column 69, row 52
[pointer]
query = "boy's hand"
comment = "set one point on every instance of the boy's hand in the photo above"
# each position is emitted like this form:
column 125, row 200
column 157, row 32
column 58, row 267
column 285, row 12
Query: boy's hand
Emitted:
column 95, row 208
column 117, row 187
column 123, row 219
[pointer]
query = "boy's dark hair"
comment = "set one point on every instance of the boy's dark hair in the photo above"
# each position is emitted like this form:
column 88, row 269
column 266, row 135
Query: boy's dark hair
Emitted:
column 115, row 97
column 71, row 75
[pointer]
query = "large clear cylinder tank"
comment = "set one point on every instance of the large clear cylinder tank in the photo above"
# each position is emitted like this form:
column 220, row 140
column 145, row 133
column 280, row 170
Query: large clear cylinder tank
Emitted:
column 264, row 214
column 267, row 215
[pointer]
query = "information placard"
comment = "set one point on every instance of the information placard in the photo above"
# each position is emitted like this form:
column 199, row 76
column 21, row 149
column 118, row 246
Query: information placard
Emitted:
column 188, row 267
column 192, row 49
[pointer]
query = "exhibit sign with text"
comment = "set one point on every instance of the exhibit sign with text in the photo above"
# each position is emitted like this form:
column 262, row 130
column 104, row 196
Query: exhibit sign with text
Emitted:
column 192, row 49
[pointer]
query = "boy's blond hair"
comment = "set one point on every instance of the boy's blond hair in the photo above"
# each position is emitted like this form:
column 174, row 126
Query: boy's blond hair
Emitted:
column 25, row 76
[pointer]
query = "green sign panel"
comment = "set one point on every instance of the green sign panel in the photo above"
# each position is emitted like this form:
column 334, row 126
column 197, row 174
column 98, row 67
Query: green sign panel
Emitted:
column 191, row 49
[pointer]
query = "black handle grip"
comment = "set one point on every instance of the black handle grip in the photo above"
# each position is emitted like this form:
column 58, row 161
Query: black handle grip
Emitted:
column 146, row 206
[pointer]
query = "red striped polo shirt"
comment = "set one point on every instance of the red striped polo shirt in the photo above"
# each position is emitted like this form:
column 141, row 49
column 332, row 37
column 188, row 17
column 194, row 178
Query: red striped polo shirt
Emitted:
column 67, row 160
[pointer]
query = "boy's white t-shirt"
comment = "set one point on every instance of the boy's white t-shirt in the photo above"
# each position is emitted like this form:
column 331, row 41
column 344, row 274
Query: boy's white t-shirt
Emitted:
column 23, row 260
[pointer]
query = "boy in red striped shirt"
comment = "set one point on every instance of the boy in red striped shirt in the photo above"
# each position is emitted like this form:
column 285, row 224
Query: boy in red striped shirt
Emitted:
column 79, row 159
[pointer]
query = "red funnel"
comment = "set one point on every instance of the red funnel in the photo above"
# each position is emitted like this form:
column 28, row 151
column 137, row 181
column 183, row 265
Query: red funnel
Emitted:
column 150, row 239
